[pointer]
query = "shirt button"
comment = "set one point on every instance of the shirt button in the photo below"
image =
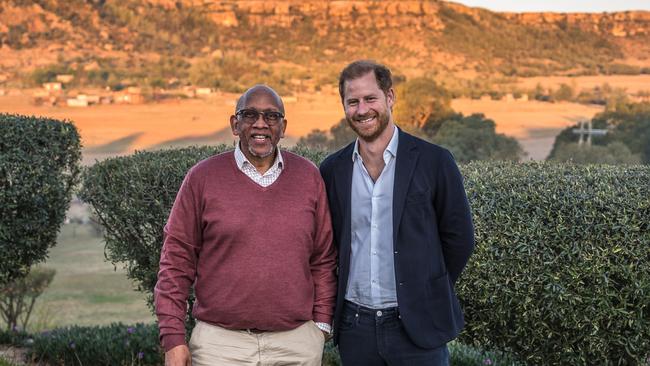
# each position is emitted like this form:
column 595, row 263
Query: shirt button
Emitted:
column 396, row 252
column 379, row 313
column 374, row 253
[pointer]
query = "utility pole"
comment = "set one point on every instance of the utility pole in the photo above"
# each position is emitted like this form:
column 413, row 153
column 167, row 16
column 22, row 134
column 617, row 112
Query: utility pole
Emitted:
column 586, row 133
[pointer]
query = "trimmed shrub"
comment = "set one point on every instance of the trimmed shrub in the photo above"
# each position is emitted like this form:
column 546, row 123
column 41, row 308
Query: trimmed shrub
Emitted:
column 559, row 275
column 115, row 344
column 39, row 167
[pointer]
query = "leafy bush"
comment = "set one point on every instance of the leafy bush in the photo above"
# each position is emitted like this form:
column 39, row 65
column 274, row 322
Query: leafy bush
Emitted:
column 558, row 275
column 18, row 297
column 39, row 167
column 116, row 344
column 13, row 337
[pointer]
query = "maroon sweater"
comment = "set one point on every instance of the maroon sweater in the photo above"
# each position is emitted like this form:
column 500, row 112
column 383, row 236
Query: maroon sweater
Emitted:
column 258, row 257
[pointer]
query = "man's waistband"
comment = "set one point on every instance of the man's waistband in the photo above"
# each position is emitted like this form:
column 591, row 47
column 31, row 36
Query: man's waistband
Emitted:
column 362, row 310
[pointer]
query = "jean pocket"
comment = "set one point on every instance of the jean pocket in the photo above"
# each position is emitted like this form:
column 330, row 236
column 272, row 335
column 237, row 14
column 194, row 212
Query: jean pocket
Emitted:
column 349, row 321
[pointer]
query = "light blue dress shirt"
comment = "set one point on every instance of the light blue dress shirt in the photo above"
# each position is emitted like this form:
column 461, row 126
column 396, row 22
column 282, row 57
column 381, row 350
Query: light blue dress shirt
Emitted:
column 372, row 268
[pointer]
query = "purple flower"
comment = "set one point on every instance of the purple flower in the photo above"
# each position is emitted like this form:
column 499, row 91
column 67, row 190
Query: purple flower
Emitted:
column 72, row 345
column 130, row 330
column 140, row 355
column 487, row 361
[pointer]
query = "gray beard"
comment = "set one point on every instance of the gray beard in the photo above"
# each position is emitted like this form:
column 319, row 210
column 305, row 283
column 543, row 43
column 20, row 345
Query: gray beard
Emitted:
column 250, row 150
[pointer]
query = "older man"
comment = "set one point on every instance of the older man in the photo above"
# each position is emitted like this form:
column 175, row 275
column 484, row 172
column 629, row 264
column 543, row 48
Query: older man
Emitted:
column 403, row 228
column 251, row 230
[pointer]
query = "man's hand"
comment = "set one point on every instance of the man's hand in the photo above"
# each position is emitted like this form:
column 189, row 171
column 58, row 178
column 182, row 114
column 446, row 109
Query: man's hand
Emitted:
column 327, row 335
column 178, row 356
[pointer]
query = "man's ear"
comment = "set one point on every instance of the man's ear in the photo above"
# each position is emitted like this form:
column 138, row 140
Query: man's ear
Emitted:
column 234, row 125
column 390, row 98
column 284, row 128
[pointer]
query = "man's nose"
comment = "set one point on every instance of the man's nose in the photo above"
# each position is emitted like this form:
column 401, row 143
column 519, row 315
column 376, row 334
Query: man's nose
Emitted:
column 362, row 108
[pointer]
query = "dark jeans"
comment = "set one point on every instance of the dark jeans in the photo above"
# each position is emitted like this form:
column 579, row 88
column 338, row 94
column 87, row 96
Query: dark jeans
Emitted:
column 369, row 337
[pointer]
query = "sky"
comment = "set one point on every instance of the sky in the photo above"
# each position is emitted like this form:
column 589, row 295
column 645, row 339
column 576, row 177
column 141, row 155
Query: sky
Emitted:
column 566, row 6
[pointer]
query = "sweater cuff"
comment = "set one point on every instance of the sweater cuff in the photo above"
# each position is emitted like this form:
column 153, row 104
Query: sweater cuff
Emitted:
column 172, row 340
column 322, row 318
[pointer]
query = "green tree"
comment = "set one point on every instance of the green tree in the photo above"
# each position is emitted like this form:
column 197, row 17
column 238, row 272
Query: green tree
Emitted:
column 419, row 104
column 474, row 138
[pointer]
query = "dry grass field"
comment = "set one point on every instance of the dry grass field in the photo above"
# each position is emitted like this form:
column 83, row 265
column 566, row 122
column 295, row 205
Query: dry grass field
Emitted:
column 109, row 130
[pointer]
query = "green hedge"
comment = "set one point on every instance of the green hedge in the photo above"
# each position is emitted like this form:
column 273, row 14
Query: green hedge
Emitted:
column 112, row 345
column 119, row 344
column 560, row 273
column 558, row 277
column 39, row 167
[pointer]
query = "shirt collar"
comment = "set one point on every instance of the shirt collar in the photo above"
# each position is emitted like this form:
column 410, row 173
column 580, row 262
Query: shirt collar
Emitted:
column 241, row 159
column 391, row 149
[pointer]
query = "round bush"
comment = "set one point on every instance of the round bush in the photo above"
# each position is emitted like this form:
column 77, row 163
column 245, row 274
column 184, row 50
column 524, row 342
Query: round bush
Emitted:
column 39, row 167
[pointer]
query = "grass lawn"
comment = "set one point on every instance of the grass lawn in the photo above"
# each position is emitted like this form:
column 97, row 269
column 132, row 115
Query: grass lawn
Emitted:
column 86, row 290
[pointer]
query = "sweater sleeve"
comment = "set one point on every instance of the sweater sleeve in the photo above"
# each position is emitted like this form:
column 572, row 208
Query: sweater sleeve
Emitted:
column 178, row 258
column 323, row 261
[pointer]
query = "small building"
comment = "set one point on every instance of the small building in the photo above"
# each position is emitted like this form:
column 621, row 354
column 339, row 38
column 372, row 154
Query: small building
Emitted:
column 75, row 102
column 53, row 86
column 91, row 99
column 64, row 78
column 203, row 91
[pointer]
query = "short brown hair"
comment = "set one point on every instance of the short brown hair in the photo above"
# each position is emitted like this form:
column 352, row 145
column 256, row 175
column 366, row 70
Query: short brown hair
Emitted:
column 360, row 68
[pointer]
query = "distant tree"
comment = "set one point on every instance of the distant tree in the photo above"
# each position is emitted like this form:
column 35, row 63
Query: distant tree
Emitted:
column 339, row 135
column 474, row 138
column 564, row 93
column 613, row 153
column 316, row 139
column 421, row 102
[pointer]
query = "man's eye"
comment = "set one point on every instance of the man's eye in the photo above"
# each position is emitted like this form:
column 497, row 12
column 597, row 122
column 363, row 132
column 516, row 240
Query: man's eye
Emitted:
column 249, row 114
column 273, row 115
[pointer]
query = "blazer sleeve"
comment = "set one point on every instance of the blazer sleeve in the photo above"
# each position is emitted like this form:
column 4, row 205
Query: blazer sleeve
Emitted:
column 454, row 217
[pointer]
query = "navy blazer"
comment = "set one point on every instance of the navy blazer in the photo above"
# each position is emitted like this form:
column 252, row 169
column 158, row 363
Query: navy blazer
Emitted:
column 433, row 236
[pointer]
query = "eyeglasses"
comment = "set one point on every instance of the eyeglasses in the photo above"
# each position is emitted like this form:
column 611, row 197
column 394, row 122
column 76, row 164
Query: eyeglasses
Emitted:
column 251, row 116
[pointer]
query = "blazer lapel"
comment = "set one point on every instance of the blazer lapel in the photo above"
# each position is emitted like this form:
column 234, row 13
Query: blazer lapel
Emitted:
column 407, row 156
column 343, row 183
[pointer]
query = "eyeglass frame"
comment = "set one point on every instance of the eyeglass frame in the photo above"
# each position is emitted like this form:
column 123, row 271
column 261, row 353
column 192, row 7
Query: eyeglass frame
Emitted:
column 258, row 113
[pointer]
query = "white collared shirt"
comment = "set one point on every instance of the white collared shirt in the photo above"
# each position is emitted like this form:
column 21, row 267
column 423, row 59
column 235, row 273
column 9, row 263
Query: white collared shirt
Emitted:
column 249, row 169
column 372, row 268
